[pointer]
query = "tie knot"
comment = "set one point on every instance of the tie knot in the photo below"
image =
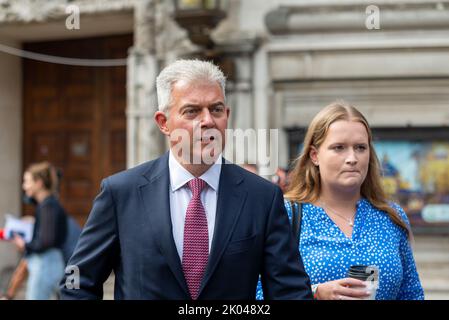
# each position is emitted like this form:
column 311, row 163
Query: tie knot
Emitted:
column 196, row 185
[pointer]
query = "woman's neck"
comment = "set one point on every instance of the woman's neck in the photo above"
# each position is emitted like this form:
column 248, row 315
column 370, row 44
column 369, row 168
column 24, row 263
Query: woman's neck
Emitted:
column 343, row 201
column 42, row 195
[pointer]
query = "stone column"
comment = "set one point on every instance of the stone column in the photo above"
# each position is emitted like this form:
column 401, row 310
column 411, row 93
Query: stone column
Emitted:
column 144, row 140
column 11, row 146
column 263, row 117
column 240, row 100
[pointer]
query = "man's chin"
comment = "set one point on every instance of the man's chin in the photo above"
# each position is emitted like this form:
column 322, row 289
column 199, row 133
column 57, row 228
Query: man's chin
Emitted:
column 207, row 156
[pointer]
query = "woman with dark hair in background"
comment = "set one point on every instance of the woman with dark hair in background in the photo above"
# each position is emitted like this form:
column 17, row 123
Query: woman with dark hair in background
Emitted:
column 44, row 254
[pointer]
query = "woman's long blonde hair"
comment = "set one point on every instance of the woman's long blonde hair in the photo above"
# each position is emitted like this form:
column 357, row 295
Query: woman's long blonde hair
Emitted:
column 305, row 183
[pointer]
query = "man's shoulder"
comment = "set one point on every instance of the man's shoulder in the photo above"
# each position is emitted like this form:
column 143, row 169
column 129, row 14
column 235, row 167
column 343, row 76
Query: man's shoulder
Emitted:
column 133, row 174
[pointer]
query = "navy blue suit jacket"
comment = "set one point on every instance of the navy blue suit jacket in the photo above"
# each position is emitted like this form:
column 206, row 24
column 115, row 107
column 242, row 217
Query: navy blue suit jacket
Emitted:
column 129, row 231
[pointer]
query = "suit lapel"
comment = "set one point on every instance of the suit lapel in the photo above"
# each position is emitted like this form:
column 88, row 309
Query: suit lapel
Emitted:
column 230, row 200
column 155, row 196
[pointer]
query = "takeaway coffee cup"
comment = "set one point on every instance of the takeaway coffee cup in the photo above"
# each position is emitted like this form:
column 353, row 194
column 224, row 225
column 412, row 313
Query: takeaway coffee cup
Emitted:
column 368, row 274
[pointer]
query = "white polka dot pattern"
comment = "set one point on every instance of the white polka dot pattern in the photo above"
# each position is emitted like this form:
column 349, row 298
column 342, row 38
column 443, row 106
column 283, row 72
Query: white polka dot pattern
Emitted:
column 328, row 253
column 196, row 239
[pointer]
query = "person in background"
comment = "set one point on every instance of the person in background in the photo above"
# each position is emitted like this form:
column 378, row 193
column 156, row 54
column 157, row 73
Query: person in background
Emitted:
column 20, row 273
column 251, row 168
column 18, row 277
column 44, row 256
column 280, row 179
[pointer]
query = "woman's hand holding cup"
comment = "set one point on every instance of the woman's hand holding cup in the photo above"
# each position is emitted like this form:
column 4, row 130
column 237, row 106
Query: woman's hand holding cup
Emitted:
column 343, row 289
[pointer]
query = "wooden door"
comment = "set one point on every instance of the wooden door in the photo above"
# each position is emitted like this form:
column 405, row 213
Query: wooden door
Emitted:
column 74, row 116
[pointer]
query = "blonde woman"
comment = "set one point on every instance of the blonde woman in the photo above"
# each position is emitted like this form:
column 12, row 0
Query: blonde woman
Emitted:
column 346, row 218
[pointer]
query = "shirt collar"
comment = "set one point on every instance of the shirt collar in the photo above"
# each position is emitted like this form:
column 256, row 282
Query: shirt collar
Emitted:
column 179, row 176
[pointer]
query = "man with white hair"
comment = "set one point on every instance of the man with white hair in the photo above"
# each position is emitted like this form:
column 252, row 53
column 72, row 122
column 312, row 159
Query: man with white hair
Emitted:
column 189, row 225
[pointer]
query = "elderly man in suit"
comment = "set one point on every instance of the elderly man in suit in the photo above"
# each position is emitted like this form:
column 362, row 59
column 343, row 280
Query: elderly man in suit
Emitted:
column 189, row 225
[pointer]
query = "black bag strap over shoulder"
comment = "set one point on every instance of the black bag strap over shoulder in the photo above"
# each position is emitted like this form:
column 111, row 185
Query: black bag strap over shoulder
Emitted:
column 296, row 220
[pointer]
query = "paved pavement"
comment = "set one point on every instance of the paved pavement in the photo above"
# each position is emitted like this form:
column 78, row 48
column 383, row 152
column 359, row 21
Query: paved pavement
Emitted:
column 432, row 260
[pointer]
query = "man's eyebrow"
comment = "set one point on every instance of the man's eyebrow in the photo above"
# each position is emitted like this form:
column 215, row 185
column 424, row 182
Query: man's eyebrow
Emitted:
column 189, row 105
column 216, row 104
column 197, row 106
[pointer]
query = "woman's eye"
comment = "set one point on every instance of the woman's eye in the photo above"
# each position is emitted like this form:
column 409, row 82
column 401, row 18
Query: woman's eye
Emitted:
column 361, row 148
column 338, row 148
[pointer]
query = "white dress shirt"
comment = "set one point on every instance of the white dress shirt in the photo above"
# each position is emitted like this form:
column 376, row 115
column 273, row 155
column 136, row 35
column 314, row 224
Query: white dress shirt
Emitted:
column 180, row 196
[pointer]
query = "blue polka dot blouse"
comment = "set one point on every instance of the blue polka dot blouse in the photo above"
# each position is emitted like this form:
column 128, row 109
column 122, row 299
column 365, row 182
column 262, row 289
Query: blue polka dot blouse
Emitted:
column 328, row 253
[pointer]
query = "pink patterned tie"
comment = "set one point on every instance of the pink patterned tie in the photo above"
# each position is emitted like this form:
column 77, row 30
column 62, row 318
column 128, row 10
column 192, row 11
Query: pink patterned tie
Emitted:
column 195, row 252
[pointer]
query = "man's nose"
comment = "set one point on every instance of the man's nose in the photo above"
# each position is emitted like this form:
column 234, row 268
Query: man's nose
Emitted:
column 206, row 118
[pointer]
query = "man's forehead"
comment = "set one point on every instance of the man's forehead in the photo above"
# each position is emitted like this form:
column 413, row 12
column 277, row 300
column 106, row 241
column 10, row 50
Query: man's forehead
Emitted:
column 184, row 83
column 196, row 93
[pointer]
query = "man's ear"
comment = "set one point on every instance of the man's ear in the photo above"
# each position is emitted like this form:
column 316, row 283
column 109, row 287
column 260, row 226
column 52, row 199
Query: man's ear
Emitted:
column 161, row 121
column 313, row 155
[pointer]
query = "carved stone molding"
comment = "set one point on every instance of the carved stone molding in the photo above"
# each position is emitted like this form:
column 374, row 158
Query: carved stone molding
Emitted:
column 351, row 16
column 26, row 11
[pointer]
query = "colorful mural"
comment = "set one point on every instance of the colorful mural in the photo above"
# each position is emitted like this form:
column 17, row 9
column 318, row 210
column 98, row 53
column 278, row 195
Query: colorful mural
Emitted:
column 416, row 175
